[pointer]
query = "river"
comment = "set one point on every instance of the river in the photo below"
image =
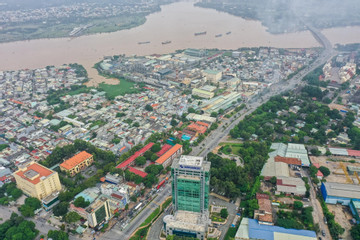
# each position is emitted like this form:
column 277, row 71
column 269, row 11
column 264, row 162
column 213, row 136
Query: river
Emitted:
column 176, row 22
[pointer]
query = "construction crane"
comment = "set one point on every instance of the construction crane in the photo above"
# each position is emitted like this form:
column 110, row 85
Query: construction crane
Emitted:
column 348, row 179
column 357, row 177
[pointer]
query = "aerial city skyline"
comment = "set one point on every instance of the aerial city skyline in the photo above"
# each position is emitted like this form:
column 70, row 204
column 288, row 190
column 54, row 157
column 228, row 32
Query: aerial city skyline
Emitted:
column 179, row 120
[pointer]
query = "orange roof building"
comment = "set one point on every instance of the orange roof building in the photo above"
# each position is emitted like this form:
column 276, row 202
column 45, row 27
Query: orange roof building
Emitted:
column 77, row 163
column 37, row 181
column 197, row 128
column 167, row 158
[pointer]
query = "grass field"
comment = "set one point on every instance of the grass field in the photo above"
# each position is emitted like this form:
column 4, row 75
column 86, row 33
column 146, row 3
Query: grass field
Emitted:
column 235, row 147
column 120, row 89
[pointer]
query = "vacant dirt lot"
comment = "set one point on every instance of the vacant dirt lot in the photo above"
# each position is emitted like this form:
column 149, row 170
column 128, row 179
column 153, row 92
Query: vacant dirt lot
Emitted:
column 343, row 217
column 337, row 173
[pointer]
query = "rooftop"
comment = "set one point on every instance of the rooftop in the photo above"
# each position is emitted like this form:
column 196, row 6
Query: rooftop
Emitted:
column 168, row 154
column 251, row 229
column 192, row 162
column 187, row 220
column 134, row 156
column 342, row 190
column 33, row 172
column 138, row 172
column 75, row 160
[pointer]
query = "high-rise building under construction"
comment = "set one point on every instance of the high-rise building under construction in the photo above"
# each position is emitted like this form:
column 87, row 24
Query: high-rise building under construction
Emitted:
column 190, row 192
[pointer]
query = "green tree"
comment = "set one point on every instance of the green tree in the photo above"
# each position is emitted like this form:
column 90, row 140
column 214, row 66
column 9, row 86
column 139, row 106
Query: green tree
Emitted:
column 213, row 114
column 154, row 157
column 72, row 217
column 140, row 161
column 80, row 202
column 149, row 108
column 324, row 170
column 224, row 213
column 16, row 193
column 116, row 140
column 191, row 110
column 313, row 171
column 58, row 235
column 120, row 114
column 173, row 122
column 61, row 209
column 136, row 124
column 273, row 180
column 156, row 147
column 298, row 205
column 355, row 232
column 31, row 204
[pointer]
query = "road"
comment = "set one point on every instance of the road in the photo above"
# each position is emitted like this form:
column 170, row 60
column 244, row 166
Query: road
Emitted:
column 217, row 135
column 223, row 130
column 318, row 213
column 116, row 234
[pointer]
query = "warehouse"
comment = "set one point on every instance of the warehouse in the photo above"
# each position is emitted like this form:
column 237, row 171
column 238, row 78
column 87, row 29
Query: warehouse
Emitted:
column 251, row 229
column 291, row 150
column 341, row 193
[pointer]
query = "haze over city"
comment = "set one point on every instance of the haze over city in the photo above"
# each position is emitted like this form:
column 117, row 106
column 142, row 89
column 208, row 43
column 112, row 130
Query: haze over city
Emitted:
column 179, row 120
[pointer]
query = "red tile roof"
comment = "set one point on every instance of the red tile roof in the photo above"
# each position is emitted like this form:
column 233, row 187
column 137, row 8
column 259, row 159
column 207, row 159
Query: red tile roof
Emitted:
column 163, row 150
column 138, row 172
column 131, row 159
column 168, row 154
column 319, row 174
column 265, row 205
column 317, row 165
column 266, row 218
column 292, row 161
column 353, row 153
column 262, row 196
column 41, row 170
column 202, row 124
column 197, row 128
column 75, row 160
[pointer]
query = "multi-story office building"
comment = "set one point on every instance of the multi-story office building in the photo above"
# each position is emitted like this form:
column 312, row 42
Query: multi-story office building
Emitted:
column 190, row 191
column 37, row 181
column 98, row 212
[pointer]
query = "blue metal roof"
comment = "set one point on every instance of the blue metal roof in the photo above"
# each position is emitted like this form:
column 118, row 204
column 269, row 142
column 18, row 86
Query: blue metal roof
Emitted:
column 259, row 231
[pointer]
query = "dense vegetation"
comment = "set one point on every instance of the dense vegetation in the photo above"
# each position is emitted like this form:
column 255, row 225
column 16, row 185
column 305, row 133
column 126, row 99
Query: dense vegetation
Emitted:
column 231, row 180
column 31, row 204
column 3, row 146
column 273, row 121
column 17, row 228
column 296, row 219
column 8, row 193
column 334, row 228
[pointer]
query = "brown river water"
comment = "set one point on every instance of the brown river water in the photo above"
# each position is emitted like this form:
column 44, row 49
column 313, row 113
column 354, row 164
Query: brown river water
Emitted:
column 177, row 23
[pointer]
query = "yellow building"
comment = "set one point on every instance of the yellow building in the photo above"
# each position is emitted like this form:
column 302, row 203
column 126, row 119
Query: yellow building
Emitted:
column 202, row 93
column 77, row 163
column 37, row 181
column 212, row 75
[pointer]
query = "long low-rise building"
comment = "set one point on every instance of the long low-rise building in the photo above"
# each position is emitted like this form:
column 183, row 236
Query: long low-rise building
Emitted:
column 334, row 193
column 167, row 158
column 290, row 185
column 202, row 93
column 250, row 229
column 77, row 163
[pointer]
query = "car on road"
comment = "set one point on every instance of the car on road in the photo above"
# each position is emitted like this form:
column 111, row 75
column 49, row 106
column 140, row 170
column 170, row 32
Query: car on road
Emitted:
column 323, row 233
